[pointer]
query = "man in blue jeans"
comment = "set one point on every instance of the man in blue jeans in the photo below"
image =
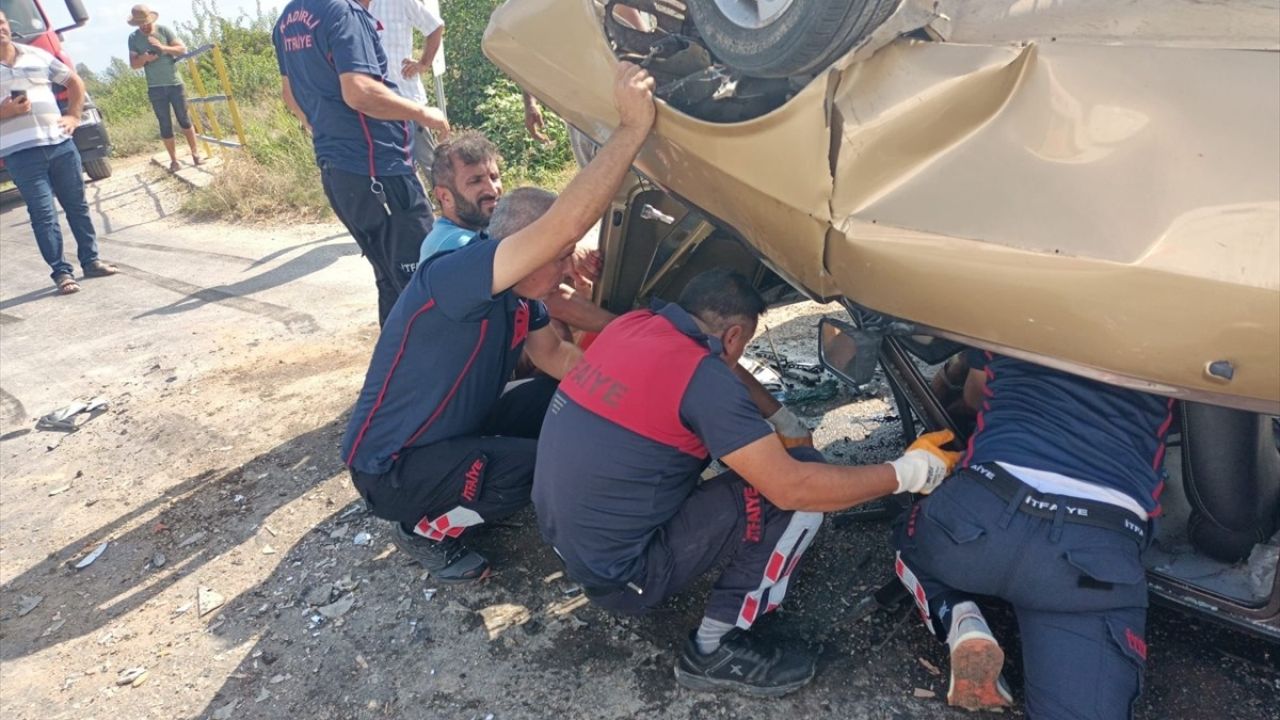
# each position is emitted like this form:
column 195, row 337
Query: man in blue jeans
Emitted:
column 36, row 145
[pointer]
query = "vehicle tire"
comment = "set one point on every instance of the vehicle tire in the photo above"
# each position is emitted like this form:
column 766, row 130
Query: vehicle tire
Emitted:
column 796, row 37
column 98, row 168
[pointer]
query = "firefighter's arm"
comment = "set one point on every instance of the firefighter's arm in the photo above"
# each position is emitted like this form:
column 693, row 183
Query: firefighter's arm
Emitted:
column 550, row 353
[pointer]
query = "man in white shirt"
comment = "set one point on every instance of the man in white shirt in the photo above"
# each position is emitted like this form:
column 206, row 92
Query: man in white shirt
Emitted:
column 399, row 18
column 38, row 151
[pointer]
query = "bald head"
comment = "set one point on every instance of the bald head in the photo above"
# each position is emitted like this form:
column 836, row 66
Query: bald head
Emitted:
column 518, row 209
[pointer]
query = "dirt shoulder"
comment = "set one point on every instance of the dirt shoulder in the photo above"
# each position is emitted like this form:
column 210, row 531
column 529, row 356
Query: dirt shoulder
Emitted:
column 241, row 578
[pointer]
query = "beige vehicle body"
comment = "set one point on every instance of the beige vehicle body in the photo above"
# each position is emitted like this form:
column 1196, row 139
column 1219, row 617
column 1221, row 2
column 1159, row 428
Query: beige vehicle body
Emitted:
column 1092, row 185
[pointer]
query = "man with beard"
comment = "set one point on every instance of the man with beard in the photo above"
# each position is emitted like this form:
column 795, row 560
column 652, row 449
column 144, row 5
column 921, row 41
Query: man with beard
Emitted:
column 467, row 183
column 438, row 442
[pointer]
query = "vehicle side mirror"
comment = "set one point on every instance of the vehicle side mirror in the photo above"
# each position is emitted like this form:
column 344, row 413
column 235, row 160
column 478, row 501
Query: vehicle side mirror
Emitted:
column 850, row 353
column 79, row 16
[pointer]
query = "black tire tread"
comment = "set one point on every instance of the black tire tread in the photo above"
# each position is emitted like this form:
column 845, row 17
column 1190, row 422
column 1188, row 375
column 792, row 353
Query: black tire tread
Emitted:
column 816, row 33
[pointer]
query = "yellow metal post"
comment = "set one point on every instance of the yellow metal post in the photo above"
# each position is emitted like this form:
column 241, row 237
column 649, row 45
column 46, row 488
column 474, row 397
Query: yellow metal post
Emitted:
column 193, row 109
column 213, row 115
column 221, row 67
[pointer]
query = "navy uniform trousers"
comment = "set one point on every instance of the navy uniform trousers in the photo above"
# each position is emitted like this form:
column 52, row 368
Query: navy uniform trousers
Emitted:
column 1079, row 590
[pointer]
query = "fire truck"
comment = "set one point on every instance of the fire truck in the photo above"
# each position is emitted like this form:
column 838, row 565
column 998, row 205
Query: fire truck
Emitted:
column 30, row 26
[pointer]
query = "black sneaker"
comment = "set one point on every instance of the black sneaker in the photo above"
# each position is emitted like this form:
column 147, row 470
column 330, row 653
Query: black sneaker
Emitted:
column 448, row 561
column 744, row 663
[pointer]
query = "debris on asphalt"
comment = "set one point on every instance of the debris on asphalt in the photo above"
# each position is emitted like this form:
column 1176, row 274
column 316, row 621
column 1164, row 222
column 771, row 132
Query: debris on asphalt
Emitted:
column 268, row 550
column 64, row 418
column 428, row 593
column 27, row 603
column 337, row 608
column 208, row 600
column 55, row 626
column 158, row 560
column 502, row 617
column 263, row 696
column 224, row 712
column 132, row 676
column 923, row 694
column 192, row 539
column 88, row 560
column 362, row 538
column 59, row 490
column 318, row 595
column 933, row 669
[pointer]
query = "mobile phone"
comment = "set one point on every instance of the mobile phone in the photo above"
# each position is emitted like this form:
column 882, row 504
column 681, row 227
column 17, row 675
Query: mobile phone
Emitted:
column 18, row 94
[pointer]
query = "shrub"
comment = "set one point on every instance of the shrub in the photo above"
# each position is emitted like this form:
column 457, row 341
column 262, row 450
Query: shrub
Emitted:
column 527, row 161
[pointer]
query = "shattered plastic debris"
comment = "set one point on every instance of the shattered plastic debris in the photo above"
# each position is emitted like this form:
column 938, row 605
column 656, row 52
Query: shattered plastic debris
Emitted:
column 224, row 712
column 132, row 676
column 87, row 560
column 933, row 669
column 192, row 539
column 362, row 538
column 337, row 608
column 64, row 418
column 208, row 600
column 59, row 490
column 27, row 603
column 57, row 624
column 158, row 560
column 923, row 694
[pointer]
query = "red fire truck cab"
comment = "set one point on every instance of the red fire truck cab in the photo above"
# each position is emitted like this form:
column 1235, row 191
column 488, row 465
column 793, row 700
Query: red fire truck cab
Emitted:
column 30, row 26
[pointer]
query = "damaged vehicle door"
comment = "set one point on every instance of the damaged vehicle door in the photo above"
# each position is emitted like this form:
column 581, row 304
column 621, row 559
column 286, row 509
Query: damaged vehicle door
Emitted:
column 1105, row 174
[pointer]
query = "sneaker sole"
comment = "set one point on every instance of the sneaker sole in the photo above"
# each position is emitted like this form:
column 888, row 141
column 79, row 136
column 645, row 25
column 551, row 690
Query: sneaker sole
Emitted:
column 975, row 675
column 702, row 683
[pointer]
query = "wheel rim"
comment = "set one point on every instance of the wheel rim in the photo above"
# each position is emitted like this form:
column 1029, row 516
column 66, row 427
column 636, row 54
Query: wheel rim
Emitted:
column 753, row 14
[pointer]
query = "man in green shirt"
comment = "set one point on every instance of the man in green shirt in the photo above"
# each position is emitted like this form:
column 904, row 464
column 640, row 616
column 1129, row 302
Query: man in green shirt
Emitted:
column 153, row 48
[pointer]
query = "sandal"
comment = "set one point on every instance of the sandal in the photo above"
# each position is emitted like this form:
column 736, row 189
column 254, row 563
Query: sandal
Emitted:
column 97, row 268
column 67, row 285
column 174, row 166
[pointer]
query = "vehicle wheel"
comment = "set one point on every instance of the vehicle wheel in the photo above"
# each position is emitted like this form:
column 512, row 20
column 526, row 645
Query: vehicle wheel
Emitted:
column 98, row 168
column 783, row 38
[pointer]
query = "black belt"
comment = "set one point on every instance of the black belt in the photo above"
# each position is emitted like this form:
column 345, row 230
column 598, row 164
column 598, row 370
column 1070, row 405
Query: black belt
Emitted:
column 1045, row 505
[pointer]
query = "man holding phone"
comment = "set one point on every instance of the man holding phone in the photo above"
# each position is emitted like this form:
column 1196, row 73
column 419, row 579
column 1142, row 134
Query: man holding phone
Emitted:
column 153, row 49
column 36, row 145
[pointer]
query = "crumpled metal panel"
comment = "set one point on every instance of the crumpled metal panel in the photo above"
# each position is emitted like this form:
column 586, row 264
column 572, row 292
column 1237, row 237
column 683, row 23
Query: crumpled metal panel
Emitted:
column 773, row 193
column 1109, row 208
column 1217, row 24
column 1160, row 179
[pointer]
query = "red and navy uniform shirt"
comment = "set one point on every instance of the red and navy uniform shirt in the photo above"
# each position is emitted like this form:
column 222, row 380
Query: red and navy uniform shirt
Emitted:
column 1041, row 418
column 446, row 350
column 627, row 435
column 315, row 41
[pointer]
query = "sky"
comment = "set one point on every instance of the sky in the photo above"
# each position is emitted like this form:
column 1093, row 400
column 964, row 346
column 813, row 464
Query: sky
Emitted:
column 107, row 32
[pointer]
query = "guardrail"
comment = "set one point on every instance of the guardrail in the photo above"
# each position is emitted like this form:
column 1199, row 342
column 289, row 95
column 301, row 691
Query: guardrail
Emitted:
column 203, row 102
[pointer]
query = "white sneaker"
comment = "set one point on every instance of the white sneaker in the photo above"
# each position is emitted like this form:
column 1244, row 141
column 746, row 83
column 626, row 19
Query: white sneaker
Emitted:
column 976, row 662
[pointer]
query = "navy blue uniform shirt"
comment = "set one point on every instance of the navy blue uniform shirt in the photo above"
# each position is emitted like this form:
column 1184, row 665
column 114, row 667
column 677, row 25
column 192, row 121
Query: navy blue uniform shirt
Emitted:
column 1043, row 419
column 445, row 353
column 602, row 490
column 315, row 41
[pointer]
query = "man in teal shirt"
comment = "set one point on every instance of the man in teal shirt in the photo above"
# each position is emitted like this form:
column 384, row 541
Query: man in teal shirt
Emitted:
column 153, row 49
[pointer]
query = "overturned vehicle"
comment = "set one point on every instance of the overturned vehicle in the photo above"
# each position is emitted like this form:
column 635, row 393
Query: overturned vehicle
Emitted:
column 1089, row 186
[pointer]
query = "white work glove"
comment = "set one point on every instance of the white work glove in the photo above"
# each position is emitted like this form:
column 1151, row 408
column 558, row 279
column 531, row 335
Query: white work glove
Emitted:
column 790, row 430
column 924, row 465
